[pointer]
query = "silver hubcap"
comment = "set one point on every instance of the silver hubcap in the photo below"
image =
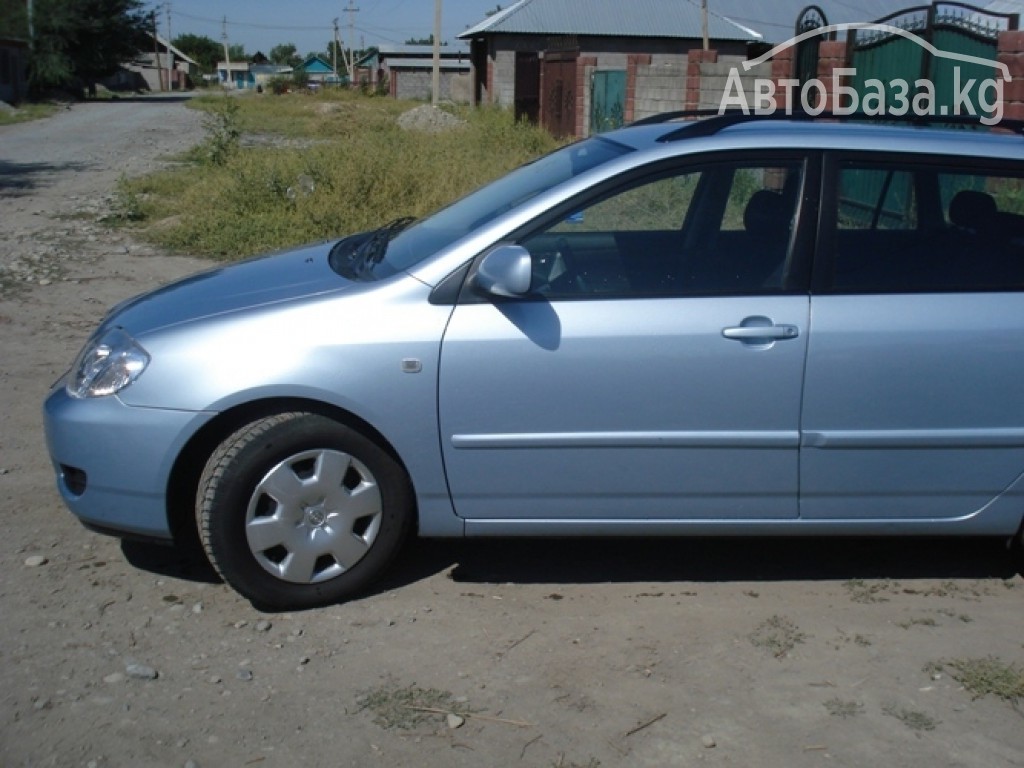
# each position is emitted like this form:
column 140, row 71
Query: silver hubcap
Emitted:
column 313, row 516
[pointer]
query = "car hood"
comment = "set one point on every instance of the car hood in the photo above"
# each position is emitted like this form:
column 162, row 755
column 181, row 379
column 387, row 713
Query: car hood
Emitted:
column 245, row 285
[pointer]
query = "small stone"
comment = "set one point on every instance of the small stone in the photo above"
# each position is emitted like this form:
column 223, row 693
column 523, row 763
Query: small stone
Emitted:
column 240, row 624
column 304, row 660
column 35, row 561
column 244, row 674
column 214, row 679
column 191, row 764
column 197, row 608
column 455, row 721
column 708, row 741
column 114, row 678
column 42, row 704
column 45, row 281
column 263, row 625
column 141, row 672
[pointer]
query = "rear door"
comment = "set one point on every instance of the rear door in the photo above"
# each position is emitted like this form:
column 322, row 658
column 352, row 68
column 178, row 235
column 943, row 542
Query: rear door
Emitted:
column 654, row 374
column 912, row 406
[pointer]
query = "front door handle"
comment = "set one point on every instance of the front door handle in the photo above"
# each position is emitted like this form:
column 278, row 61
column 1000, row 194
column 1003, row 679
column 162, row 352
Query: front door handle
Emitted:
column 754, row 332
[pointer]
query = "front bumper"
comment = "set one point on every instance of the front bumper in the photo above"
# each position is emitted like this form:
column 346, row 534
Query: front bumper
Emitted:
column 114, row 461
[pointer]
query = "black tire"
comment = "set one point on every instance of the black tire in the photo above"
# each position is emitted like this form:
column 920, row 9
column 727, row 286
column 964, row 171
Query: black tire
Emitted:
column 297, row 511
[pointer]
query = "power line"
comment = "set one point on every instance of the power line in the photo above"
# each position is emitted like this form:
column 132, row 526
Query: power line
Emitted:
column 253, row 24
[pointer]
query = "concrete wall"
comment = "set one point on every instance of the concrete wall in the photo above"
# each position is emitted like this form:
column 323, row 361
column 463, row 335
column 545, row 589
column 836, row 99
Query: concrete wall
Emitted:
column 714, row 78
column 660, row 86
column 418, row 84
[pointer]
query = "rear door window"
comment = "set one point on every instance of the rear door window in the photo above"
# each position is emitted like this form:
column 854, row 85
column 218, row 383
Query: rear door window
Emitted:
column 910, row 226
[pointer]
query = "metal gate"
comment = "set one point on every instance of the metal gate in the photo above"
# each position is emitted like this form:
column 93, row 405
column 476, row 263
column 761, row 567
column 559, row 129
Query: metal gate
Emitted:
column 559, row 82
column 950, row 27
column 806, row 60
column 607, row 100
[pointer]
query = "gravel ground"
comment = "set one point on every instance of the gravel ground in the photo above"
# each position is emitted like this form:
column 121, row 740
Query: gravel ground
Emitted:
column 567, row 653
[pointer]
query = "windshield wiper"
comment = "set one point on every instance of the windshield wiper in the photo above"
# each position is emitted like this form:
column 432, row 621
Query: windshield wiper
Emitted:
column 369, row 253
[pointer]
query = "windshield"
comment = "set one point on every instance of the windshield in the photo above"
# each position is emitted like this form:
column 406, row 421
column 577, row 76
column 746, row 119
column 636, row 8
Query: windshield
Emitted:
column 459, row 219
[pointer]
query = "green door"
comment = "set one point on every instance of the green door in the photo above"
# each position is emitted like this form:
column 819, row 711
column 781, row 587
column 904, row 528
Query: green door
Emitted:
column 607, row 100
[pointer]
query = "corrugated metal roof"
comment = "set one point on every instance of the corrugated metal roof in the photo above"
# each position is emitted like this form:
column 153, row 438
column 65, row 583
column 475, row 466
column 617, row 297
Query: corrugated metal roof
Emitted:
column 448, row 64
column 613, row 18
column 423, row 50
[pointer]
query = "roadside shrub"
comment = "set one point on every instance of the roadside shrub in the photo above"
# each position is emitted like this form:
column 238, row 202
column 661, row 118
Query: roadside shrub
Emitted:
column 223, row 131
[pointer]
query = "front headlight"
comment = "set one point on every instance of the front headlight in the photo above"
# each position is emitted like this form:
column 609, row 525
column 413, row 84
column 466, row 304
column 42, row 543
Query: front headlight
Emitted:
column 107, row 365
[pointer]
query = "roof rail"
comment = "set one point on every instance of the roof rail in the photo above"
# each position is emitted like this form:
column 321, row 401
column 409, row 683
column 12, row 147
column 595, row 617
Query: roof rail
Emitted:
column 714, row 120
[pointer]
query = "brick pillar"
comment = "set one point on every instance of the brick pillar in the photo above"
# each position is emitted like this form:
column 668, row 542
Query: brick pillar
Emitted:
column 782, row 69
column 831, row 54
column 582, row 118
column 634, row 61
column 1011, row 53
column 694, row 59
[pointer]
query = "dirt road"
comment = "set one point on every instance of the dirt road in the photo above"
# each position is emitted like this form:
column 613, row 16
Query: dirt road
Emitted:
column 631, row 653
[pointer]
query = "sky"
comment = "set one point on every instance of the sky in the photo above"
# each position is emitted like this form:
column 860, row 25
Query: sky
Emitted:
column 259, row 25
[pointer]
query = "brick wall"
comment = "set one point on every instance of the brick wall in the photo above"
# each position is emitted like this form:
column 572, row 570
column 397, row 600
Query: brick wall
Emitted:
column 1011, row 53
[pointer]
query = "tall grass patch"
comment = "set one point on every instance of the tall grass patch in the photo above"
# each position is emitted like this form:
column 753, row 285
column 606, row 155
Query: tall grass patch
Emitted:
column 344, row 166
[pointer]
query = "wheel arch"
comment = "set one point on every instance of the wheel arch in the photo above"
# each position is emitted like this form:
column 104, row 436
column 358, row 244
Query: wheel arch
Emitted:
column 183, row 481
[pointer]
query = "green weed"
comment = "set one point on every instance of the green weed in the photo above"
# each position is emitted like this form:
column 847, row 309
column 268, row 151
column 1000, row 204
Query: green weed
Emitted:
column 841, row 708
column 28, row 111
column 914, row 720
column 357, row 171
column 405, row 708
column 778, row 635
column 988, row 676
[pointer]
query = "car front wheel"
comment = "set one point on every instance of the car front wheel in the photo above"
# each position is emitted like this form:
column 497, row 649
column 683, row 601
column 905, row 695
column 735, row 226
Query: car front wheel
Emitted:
column 296, row 510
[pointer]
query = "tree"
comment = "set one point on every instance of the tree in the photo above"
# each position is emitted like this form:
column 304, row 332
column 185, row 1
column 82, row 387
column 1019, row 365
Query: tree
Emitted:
column 423, row 40
column 333, row 49
column 82, row 41
column 204, row 50
column 286, row 55
column 237, row 52
column 14, row 19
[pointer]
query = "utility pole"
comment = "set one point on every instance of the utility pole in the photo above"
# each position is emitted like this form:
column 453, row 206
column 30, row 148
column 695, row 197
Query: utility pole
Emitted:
column 170, row 54
column 435, row 80
column 334, row 50
column 31, row 31
column 704, row 23
column 350, row 64
column 156, row 50
column 227, row 54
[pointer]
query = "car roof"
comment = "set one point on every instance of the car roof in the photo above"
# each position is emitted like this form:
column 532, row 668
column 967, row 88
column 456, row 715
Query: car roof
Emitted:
column 770, row 132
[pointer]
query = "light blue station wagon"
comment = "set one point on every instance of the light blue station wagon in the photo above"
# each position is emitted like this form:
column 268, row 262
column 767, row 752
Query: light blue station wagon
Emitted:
column 731, row 326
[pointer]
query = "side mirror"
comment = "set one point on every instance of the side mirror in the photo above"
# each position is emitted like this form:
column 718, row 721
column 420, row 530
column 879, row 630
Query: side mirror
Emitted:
column 507, row 271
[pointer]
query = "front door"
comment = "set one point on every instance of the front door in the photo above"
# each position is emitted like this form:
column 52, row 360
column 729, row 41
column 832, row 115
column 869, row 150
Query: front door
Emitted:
column 654, row 374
